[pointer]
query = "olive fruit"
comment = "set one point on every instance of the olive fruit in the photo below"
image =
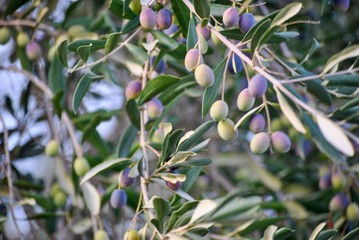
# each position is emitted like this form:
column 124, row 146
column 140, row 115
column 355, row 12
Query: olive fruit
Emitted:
column 325, row 182
column 352, row 212
column 235, row 64
column 245, row 100
column 204, row 31
column 33, row 50
column 260, row 143
column 81, row 166
column 338, row 181
column 341, row 5
column 164, row 19
column 257, row 123
column 280, row 142
column 101, row 235
column 124, row 180
column 204, row 75
column 257, row 85
column 60, row 198
column 246, row 22
column 133, row 89
column 22, row 39
column 148, row 19
column 174, row 186
column 132, row 235
column 4, row 35
column 52, row 148
column 226, row 130
column 118, row 198
column 219, row 110
column 214, row 37
column 192, row 59
column 161, row 65
column 231, row 17
column 339, row 202
column 154, row 108
column 135, row 6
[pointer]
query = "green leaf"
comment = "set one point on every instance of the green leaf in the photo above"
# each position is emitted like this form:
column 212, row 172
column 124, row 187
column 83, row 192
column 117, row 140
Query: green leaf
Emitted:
column 133, row 113
column 186, row 207
column 169, row 144
column 202, row 8
column 260, row 224
column 111, row 42
column 195, row 137
column 92, row 198
column 61, row 53
column 138, row 53
column 191, row 177
column 95, row 44
column 267, row 178
column 124, row 162
column 259, row 33
column 192, row 163
column 209, row 95
column 177, row 89
column 317, row 230
column 352, row 235
column 349, row 52
column 283, row 233
column 162, row 208
column 165, row 42
column 131, row 25
column 156, row 86
column 126, row 141
column 182, row 14
column 320, row 141
column 117, row 7
column 287, row 13
column 290, row 114
column 82, row 88
column 335, row 135
column 56, row 76
column 318, row 90
column 327, row 234
column 251, row 31
column 13, row 5
column 203, row 208
column 84, row 52
column 192, row 38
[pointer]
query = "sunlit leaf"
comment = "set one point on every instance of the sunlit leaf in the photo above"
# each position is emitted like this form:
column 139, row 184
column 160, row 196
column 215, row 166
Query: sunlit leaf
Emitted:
column 287, row 13
column 91, row 197
column 349, row 52
column 317, row 230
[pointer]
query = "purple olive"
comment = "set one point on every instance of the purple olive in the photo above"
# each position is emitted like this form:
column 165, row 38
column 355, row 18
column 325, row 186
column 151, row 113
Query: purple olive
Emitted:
column 148, row 19
column 341, row 5
column 174, row 186
column 246, row 22
column 339, row 202
column 280, row 142
column 124, row 180
column 257, row 123
column 164, row 19
column 204, row 31
column 154, row 108
column 325, row 182
column 231, row 17
column 33, row 50
column 257, row 85
column 235, row 64
column 161, row 65
column 118, row 198
column 133, row 89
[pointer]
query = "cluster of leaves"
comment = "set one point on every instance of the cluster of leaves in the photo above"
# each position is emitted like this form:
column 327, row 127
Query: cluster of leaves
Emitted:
column 170, row 175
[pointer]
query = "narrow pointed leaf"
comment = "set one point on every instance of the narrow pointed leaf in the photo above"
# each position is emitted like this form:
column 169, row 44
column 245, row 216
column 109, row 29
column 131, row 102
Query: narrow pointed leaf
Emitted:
column 349, row 52
column 287, row 13
column 317, row 230
column 202, row 8
column 61, row 53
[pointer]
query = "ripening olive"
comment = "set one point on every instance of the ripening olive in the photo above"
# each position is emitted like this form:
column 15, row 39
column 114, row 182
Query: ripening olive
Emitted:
column 226, row 130
column 148, row 19
column 235, row 64
column 325, row 182
column 257, row 123
column 81, row 166
column 154, row 108
column 339, row 202
column 33, row 50
column 133, row 89
column 193, row 59
column 245, row 100
column 219, row 110
column 352, row 212
column 60, row 198
column 204, row 31
column 231, row 17
column 338, row 181
column 204, row 75
column 260, row 143
column 135, row 6
column 118, row 198
column 257, row 85
column 174, row 186
column 341, row 5
column 124, row 180
column 280, row 142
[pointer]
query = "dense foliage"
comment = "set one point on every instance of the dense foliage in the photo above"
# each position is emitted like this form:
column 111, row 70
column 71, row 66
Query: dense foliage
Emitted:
column 179, row 119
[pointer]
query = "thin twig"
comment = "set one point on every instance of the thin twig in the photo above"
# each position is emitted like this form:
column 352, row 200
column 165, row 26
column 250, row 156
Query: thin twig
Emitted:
column 50, row 30
column 9, row 176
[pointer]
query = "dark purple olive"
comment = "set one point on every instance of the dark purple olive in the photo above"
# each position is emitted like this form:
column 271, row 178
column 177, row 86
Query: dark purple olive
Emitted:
column 164, row 19
column 118, row 198
column 246, row 22
column 124, row 180
column 341, row 5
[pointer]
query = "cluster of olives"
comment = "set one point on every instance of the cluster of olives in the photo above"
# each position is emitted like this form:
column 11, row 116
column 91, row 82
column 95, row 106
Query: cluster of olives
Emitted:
column 119, row 197
column 149, row 19
column 58, row 195
column 232, row 19
column 340, row 202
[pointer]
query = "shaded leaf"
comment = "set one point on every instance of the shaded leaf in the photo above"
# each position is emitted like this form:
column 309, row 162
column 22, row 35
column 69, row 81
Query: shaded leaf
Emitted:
column 95, row 44
column 91, row 197
column 349, row 52
column 197, row 134
column 182, row 14
column 165, row 42
column 138, row 53
column 287, row 13
column 111, row 42
column 192, row 38
column 133, row 113
column 202, row 8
